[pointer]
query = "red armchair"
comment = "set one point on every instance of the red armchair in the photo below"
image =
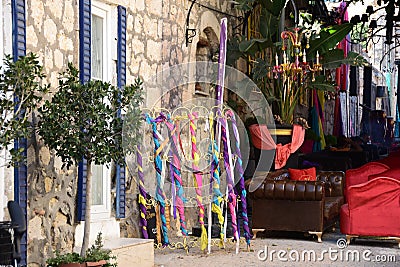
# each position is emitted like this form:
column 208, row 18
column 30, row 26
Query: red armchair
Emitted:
column 360, row 175
column 373, row 209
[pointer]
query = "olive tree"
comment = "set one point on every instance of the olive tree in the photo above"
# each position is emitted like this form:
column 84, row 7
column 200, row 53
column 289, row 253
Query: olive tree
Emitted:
column 21, row 91
column 81, row 121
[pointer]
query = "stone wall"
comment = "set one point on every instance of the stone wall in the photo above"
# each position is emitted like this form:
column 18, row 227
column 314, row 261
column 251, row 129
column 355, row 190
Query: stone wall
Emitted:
column 52, row 34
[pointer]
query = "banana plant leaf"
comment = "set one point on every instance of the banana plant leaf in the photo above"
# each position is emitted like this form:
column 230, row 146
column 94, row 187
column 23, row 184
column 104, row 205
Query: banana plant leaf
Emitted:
column 355, row 59
column 253, row 46
column 328, row 39
column 335, row 58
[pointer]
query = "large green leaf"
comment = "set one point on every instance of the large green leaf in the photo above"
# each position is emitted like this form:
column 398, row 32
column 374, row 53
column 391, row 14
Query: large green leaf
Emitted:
column 329, row 38
column 335, row 58
column 356, row 59
column 254, row 45
column 332, row 58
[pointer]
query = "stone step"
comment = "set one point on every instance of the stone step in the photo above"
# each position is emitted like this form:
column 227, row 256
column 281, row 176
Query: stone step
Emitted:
column 132, row 251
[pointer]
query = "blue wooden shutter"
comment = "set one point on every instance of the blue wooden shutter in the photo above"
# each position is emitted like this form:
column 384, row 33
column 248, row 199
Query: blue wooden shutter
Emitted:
column 85, row 17
column 121, row 80
column 20, row 172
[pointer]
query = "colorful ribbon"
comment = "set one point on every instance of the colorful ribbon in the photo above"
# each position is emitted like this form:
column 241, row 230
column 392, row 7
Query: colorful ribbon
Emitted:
column 176, row 166
column 229, row 178
column 197, row 180
column 239, row 168
column 160, row 195
column 142, row 194
column 215, row 179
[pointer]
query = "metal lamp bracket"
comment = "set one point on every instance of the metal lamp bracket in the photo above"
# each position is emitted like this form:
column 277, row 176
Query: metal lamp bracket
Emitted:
column 190, row 33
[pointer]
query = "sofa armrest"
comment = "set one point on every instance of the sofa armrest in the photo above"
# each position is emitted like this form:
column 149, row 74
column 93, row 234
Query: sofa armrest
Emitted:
column 360, row 175
column 290, row 190
column 334, row 182
column 379, row 192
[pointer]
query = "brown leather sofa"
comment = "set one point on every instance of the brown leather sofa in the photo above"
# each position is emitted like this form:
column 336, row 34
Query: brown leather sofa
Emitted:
column 281, row 204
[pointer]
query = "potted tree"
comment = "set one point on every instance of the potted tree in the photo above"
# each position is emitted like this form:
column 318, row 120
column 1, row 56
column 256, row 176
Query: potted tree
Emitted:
column 81, row 121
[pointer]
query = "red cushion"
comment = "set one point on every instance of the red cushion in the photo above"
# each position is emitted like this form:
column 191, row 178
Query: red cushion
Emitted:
column 392, row 173
column 303, row 174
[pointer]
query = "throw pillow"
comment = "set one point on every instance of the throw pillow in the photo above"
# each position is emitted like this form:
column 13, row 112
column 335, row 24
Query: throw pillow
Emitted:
column 303, row 174
column 391, row 173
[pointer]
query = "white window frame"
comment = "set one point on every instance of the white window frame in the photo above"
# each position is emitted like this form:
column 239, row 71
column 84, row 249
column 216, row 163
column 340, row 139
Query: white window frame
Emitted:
column 103, row 211
column 104, row 11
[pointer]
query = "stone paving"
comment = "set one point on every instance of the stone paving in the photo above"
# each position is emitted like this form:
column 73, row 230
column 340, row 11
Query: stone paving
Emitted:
column 371, row 252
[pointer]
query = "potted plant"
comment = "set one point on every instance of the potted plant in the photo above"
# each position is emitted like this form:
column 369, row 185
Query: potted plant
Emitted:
column 96, row 256
column 66, row 260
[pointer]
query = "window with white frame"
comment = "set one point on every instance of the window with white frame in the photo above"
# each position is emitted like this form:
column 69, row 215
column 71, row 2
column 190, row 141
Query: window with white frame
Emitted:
column 100, row 62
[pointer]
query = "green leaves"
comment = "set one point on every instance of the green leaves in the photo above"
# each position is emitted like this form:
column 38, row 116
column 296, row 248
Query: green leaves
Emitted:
column 254, row 45
column 329, row 38
column 81, row 120
column 356, row 59
column 95, row 253
column 21, row 91
column 335, row 58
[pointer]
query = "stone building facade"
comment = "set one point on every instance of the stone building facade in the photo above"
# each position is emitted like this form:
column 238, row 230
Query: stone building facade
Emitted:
column 155, row 39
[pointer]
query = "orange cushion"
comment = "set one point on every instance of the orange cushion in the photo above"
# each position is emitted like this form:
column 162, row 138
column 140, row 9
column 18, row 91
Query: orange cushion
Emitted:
column 391, row 173
column 303, row 174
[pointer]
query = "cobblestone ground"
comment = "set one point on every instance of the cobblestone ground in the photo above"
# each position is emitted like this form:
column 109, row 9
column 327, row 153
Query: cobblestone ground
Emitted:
column 294, row 249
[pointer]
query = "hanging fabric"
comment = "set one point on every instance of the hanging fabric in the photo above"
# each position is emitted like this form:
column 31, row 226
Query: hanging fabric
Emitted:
column 262, row 139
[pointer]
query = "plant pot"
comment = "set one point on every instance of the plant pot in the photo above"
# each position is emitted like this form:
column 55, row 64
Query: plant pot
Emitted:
column 72, row 264
column 95, row 264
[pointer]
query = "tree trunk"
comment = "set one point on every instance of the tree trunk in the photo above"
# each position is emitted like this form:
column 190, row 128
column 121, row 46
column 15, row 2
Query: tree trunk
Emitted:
column 88, row 208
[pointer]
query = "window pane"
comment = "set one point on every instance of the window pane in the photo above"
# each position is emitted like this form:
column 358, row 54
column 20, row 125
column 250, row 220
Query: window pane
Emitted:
column 97, row 185
column 97, row 47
